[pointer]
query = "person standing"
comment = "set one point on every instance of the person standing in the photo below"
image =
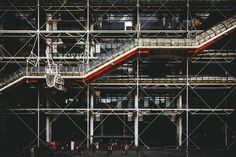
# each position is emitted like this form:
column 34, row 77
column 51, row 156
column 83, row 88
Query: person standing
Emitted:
column 137, row 150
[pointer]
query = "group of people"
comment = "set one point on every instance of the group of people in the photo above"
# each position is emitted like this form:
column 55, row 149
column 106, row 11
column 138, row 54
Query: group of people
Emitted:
column 137, row 149
column 54, row 146
column 126, row 149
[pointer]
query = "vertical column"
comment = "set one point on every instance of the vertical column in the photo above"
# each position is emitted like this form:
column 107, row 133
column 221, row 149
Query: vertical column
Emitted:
column 51, row 25
column 136, row 131
column 138, row 19
column 124, row 127
column 49, row 19
column 38, row 130
column 102, row 126
column 88, row 118
column 48, row 125
column 1, row 25
column 88, row 33
column 188, row 32
column 48, row 28
column 91, row 119
column 48, row 130
column 226, row 129
column 38, row 32
column 226, row 135
column 187, row 110
column 136, row 97
column 54, row 44
column 179, row 122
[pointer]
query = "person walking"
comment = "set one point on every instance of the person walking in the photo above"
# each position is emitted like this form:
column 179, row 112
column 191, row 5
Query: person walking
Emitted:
column 126, row 149
column 109, row 149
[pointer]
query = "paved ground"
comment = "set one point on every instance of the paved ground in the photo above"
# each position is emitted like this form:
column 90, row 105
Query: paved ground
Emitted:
column 158, row 153
column 145, row 153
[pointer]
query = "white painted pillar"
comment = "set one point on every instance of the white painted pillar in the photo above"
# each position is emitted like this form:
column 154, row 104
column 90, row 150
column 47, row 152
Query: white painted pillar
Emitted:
column 91, row 119
column 38, row 119
column 48, row 130
column 187, row 108
column 88, row 117
column 48, row 24
column 138, row 27
column 136, row 118
column 48, row 125
column 179, row 122
column 136, row 131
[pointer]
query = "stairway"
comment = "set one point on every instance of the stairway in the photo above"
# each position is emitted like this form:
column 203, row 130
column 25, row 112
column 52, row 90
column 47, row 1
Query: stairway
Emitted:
column 108, row 61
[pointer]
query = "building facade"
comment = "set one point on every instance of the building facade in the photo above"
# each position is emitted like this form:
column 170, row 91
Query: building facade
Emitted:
column 153, row 73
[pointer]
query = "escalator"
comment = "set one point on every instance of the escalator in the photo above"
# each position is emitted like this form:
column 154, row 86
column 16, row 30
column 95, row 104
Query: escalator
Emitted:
column 111, row 60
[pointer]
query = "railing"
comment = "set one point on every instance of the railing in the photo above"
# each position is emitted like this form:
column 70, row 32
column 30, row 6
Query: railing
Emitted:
column 169, row 79
column 167, row 42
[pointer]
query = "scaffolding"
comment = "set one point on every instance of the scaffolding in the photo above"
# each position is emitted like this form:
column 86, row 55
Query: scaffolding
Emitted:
column 132, row 62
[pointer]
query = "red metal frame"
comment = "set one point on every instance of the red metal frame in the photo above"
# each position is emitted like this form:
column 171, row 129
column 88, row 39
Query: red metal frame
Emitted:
column 112, row 66
column 195, row 51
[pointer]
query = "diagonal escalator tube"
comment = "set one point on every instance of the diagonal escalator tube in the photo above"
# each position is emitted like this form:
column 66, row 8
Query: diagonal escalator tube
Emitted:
column 197, row 43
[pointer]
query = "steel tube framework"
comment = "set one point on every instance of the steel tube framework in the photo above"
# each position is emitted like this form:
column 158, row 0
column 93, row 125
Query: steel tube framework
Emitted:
column 154, row 90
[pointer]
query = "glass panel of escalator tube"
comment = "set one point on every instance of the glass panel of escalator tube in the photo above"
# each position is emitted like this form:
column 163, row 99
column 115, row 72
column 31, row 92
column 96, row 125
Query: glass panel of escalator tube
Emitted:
column 105, row 57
